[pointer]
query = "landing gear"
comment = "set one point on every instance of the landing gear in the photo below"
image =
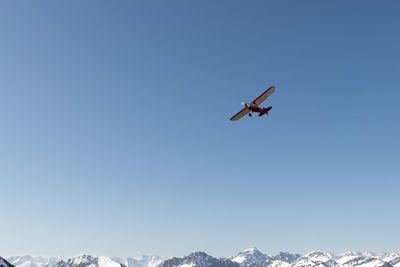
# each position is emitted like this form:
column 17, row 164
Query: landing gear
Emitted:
column 250, row 115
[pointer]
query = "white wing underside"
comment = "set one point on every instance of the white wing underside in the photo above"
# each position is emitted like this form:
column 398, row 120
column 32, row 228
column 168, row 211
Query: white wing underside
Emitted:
column 240, row 114
column 264, row 96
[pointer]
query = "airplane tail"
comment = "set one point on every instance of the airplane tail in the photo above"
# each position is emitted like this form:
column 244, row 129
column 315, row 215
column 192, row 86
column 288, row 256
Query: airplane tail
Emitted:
column 265, row 111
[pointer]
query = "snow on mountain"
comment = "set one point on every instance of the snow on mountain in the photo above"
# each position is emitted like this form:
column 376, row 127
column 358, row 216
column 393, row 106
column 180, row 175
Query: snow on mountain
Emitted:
column 144, row 261
column 88, row 261
column 369, row 254
column 252, row 257
column 286, row 257
column 28, row 261
column 249, row 256
column 5, row 263
column 392, row 258
column 85, row 260
column 349, row 258
column 198, row 259
column 348, row 255
column 316, row 258
column 280, row 263
column 364, row 260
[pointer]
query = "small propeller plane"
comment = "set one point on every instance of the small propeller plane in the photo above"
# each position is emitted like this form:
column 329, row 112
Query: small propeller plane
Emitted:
column 254, row 106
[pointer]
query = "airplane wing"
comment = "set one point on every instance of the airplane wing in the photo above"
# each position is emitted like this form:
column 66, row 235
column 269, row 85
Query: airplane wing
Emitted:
column 240, row 114
column 264, row 96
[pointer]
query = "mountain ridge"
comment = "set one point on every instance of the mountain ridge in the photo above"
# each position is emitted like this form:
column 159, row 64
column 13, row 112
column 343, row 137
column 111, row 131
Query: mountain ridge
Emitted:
column 251, row 257
column 5, row 263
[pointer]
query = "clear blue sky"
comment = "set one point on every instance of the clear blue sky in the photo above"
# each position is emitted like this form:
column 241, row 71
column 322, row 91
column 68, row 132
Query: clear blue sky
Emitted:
column 115, row 136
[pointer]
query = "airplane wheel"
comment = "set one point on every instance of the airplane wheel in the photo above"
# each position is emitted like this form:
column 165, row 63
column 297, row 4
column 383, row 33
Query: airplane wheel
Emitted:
column 250, row 115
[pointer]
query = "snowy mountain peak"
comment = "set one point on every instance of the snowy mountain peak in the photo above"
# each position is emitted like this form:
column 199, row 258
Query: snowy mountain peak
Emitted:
column 316, row 258
column 318, row 254
column 198, row 259
column 88, row 261
column 251, row 255
column 251, row 250
column 200, row 255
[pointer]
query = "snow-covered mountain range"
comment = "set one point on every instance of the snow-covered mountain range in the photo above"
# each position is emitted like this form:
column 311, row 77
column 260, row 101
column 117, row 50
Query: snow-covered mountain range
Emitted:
column 248, row 258
column 85, row 261
column 28, row 261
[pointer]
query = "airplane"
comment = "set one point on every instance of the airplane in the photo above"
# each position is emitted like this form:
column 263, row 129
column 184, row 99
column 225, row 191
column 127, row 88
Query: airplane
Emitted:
column 254, row 106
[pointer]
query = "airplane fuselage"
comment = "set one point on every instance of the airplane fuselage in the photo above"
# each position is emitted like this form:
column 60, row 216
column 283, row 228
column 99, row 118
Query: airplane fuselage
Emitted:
column 254, row 108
